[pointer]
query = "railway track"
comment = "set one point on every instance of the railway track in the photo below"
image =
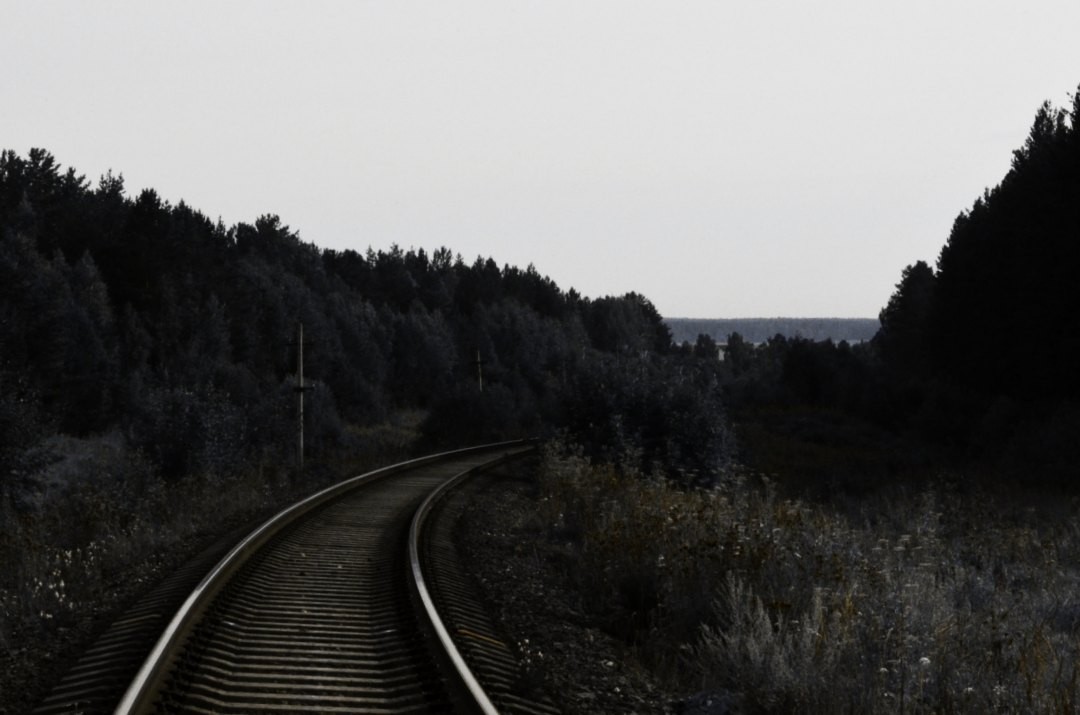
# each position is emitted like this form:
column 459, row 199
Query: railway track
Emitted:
column 331, row 607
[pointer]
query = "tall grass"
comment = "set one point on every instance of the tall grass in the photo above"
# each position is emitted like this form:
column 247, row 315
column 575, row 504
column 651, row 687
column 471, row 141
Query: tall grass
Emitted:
column 101, row 526
column 65, row 553
column 936, row 601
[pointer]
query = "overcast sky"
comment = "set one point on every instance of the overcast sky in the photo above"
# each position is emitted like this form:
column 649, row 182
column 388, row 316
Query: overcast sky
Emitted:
column 726, row 159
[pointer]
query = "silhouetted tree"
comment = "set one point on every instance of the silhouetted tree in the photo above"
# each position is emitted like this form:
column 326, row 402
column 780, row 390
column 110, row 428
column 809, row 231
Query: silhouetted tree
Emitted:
column 903, row 338
column 1005, row 300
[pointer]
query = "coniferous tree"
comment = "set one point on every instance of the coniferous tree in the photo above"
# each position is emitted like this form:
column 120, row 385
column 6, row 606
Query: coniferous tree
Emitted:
column 903, row 338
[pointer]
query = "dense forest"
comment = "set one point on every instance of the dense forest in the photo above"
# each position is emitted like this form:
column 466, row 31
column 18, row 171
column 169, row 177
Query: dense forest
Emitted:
column 174, row 335
column 139, row 324
column 986, row 345
column 974, row 361
column 146, row 321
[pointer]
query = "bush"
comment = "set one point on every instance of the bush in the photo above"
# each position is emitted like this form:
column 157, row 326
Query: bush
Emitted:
column 937, row 601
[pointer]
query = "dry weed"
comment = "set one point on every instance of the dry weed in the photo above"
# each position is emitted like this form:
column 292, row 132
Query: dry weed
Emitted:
column 931, row 602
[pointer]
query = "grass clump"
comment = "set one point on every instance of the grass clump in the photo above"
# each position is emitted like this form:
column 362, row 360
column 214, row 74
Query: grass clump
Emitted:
column 936, row 601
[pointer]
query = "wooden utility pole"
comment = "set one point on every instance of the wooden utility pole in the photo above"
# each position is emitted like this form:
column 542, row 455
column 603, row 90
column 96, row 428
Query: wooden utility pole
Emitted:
column 480, row 370
column 300, row 388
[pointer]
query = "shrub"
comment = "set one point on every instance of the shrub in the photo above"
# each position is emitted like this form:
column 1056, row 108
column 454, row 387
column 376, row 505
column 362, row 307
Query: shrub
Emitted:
column 936, row 601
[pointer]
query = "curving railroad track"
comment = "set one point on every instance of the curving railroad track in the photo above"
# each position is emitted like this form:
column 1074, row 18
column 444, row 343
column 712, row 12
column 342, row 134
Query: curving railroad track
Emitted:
column 349, row 601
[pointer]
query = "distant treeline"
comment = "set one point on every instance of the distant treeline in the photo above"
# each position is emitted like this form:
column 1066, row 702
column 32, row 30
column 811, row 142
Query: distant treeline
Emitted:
column 758, row 330
column 137, row 317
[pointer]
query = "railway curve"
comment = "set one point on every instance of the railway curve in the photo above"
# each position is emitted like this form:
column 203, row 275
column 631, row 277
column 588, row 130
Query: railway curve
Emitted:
column 314, row 611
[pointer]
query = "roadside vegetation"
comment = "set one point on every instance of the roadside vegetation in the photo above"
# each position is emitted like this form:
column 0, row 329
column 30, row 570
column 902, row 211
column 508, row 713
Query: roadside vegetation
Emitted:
column 943, row 599
column 106, row 534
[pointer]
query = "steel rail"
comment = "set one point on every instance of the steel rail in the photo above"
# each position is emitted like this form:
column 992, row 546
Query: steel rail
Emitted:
column 454, row 663
column 480, row 668
column 140, row 695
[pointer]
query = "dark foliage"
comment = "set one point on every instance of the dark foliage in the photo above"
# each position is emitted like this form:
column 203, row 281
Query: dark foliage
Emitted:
column 903, row 339
column 1006, row 303
column 143, row 317
column 977, row 358
column 987, row 345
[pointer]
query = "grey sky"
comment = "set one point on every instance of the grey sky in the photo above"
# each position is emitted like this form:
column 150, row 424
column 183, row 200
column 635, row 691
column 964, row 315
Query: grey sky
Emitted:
column 723, row 158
